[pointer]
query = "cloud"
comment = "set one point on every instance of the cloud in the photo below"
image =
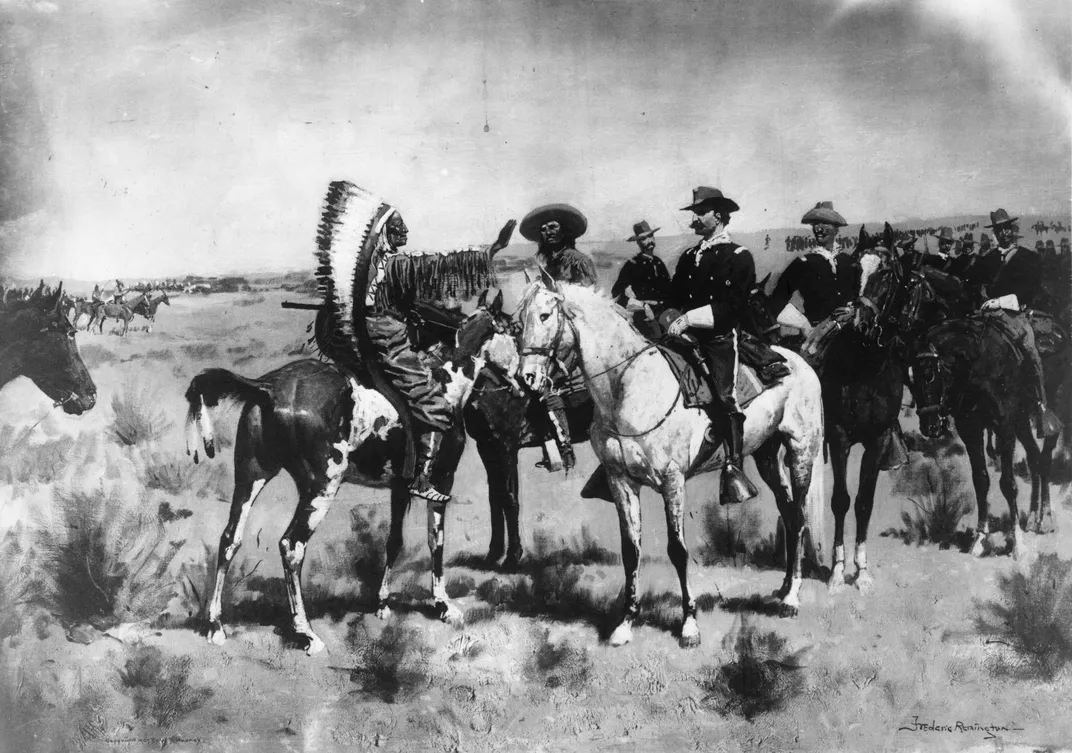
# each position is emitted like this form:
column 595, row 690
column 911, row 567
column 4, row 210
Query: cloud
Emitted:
column 1009, row 35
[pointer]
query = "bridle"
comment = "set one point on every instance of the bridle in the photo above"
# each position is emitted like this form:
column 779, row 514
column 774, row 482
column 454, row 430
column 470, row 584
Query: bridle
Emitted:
column 939, row 371
column 550, row 351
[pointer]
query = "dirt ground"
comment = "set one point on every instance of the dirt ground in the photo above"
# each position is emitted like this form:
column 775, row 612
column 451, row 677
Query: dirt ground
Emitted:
column 933, row 658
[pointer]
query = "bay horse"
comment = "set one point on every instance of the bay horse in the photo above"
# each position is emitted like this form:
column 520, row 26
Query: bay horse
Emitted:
column 38, row 342
column 969, row 371
column 862, row 386
column 121, row 312
column 643, row 434
column 316, row 422
column 146, row 307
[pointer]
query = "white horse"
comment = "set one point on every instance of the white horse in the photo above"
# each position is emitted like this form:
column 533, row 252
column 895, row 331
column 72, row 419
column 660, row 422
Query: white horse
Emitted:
column 643, row 433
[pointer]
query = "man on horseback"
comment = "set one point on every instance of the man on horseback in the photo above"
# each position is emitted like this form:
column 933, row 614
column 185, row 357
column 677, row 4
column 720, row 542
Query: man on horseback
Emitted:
column 645, row 276
column 826, row 280
column 1011, row 290
column 711, row 285
column 555, row 228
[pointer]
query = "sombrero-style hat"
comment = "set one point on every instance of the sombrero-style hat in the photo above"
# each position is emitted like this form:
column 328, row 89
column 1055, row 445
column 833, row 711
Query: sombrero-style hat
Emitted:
column 642, row 230
column 1000, row 217
column 946, row 234
column 823, row 212
column 572, row 221
column 707, row 198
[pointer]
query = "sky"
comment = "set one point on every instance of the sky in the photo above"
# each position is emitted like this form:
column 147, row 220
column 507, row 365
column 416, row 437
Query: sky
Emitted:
column 150, row 138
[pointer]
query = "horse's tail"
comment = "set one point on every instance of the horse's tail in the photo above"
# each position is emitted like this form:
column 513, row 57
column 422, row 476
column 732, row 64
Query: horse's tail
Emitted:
column 815, row 512
column 205, row 391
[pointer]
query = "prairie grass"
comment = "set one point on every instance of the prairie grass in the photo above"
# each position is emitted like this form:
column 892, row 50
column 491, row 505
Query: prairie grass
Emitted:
column 137, row 416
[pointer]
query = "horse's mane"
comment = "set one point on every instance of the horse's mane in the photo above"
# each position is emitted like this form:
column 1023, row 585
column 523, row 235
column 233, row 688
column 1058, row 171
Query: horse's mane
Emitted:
column 590, row 299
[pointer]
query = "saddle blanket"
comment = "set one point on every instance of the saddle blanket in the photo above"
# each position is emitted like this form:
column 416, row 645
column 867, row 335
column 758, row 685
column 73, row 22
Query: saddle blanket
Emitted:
column 695, row 390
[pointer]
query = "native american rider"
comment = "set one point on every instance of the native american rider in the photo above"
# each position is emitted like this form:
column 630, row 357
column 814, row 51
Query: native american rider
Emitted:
column 555, row 228
column 711, row 286
column 371, row 289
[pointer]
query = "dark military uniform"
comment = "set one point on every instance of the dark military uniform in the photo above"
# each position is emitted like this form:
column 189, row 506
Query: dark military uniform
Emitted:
column 823, row 285
column 1019, row 273
column 646, row 274
column 717, row 273
column 975, row 270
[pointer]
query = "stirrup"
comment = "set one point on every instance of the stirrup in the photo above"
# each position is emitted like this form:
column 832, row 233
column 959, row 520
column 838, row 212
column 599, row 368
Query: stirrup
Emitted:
column 735, row 488
column 1046, row 423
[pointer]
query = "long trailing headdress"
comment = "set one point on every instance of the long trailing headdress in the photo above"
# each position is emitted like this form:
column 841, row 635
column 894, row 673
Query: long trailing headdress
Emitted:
column 351, row 232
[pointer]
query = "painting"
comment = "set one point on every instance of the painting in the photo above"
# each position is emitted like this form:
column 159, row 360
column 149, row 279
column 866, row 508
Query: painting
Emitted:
column 493, row 375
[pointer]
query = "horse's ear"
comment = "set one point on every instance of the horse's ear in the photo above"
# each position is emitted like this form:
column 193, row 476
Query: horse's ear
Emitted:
column 57, row 297
column 887, row 237
column 482, row 301
column 497, row 303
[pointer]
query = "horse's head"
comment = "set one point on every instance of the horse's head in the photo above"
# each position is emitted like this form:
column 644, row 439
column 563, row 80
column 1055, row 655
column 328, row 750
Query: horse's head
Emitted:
column 164, row 297
column 932, row 296
column 881, row 286
column 931, row 378
column 41, row 339
column 487, row 324
column 545, row 338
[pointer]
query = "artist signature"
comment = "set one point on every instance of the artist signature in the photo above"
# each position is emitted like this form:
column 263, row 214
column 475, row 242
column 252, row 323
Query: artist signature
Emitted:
column 989, row 731
column 161, row 741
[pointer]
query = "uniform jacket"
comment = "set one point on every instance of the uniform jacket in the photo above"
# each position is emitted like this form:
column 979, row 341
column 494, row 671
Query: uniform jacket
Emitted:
column 822, row 288
column 717, row 273
column 1018, row 274
column 646, row 275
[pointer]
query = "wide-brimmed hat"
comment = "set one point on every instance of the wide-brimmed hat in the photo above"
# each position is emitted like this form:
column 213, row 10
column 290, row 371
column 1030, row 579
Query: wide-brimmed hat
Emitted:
column 707, row 198
column 967, row 240
column 908, row 243
column 823, row 212
column 1040, row 244
column 572, row 221
column 946, row 234
column 1049, row 243
column 1066, row 242
column 984, row 238
column 999, row 218
column 642, row 230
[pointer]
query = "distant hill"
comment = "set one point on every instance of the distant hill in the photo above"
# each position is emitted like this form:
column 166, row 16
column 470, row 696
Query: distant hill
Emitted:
column 771, row 257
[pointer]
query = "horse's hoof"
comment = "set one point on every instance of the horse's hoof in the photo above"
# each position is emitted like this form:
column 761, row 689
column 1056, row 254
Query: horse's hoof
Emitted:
column 836, row 583
column 1033, row 523
column 450, row 614
column 864, row 583
column 788, row 610
column 512, row 563
column 216, row 635
column 1046, row 524
column 313, row 644
column 978, row 548
column 1017, row 551
column 780, row 594
column 384, row 613
column 622, row 634
column 491, row 559
column 690, row 634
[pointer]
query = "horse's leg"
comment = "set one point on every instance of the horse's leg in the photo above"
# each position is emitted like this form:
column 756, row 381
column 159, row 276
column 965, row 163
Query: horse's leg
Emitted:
column 1007, row 483
column 315, row 495
column 511, row 507
column 251, row 476
column 399, row 505
column 673, row 491
column 840, row 501
column 865, row 503
column 445, row 609
column 1033, row 456
column 626, row 494
column 770, row 470
column 495, row 466
column 1046, row 523
column 971, row 433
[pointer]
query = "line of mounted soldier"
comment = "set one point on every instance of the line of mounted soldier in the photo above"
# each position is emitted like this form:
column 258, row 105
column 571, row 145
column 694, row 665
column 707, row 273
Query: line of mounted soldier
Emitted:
column 706, row 301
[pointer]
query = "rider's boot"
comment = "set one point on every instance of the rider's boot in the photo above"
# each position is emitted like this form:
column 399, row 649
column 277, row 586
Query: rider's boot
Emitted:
column 736, row 487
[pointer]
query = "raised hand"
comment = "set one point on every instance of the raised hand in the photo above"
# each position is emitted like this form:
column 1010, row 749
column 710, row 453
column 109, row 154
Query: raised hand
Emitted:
column 504, row 238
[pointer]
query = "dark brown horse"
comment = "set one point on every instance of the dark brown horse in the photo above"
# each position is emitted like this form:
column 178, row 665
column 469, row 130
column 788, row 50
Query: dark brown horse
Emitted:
column 863, row 383
column 316, row 422
column 38, row 342
column 146, row 307
column 970, row 372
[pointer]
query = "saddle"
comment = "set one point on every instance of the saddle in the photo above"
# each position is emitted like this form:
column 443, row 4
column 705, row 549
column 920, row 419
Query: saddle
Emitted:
column 759, row 369
column 1050, row 337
